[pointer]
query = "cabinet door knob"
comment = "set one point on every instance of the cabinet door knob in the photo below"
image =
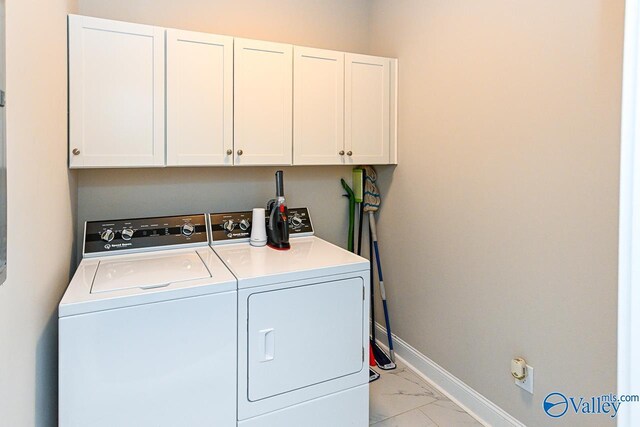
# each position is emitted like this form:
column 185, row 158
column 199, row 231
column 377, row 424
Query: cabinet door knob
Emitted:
column 76, row 152
column 349, row 153
column 239, row 152
column 229, row 152
column 341, row 152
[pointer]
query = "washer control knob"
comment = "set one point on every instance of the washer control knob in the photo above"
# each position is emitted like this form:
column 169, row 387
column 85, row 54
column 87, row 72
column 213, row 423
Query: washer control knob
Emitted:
column 245, row 224
column 296, row 221
column 107, row 235
column 188, row 229
column 127, row 234
column 229, row 225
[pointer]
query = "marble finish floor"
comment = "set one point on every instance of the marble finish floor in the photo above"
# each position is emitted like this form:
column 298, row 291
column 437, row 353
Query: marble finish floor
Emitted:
column 400, row 398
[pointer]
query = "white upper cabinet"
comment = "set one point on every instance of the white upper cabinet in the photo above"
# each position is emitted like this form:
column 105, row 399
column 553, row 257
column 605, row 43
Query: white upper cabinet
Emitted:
column 318, row 107
column 262, row 103
column 367, row 109
column 116, row 94
column 228, row 101
column 199, row 99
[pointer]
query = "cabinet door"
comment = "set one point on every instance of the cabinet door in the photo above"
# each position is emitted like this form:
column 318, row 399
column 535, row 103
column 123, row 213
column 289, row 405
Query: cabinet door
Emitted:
column 116, row 93
column 262, row 103
column 367, row 109
column 199, row 99
column 318, row 107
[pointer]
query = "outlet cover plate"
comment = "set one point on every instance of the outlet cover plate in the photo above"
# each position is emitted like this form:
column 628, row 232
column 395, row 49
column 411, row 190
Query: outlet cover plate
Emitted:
column 527, row 382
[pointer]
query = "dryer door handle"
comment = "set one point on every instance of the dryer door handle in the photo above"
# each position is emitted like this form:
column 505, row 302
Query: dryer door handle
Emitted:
column 266, row 344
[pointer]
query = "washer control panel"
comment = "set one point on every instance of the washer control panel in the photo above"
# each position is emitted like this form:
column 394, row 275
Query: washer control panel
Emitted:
column 236, row 226
column 102, row 237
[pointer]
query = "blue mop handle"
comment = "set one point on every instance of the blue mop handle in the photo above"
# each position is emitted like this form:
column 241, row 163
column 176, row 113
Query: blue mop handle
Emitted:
column 386, row 320
column 383, row 294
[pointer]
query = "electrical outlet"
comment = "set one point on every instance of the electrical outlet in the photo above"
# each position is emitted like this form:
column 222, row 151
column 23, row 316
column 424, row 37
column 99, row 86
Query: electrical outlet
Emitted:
column 527, row 382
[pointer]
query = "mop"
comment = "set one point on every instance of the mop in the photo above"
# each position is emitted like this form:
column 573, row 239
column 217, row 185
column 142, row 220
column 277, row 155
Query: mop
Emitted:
column 371, row 205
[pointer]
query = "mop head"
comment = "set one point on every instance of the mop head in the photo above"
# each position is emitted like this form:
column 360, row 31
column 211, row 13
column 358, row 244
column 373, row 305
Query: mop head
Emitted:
column 371, row 193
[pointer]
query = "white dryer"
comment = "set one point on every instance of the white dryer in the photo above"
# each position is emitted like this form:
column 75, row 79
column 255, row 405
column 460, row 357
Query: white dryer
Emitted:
column 147, row 328
column 303, row 317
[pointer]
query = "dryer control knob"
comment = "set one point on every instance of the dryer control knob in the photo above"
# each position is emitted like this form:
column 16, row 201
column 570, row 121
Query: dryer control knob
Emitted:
column 107, row 235
column 245, row 224
column 188, row 229
column 229, row 225
column 127, row 234
column 296, row 221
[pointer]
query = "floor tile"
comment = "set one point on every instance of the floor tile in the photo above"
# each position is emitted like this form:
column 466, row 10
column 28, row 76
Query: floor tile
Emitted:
column 413, row 418
column 447, row 414
column 398, row 391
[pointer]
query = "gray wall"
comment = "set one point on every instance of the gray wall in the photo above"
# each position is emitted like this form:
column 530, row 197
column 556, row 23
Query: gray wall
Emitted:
column 41, row 205
column 3, row 165
column 110, row 193
column 329, row 24
column 508, row 150
column 335, row 24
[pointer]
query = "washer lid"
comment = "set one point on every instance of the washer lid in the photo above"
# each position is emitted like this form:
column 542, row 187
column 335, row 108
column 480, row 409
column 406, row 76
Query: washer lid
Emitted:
column 144, row 278
column 147, row 272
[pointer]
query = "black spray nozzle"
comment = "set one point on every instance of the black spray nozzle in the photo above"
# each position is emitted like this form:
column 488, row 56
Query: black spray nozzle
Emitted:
column 279, row 184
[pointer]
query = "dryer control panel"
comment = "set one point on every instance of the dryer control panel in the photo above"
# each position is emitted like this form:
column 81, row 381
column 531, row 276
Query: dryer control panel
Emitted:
column 231, row 227
column 101, row 237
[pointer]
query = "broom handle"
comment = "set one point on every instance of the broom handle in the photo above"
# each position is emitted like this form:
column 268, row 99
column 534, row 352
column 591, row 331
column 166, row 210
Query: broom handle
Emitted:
column 352, row 212
column 361, row 213
column 361, row 217
column 371, row 287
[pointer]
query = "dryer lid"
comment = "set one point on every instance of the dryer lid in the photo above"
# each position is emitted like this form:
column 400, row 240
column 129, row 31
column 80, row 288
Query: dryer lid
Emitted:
column 148, row 271
column 308, row 257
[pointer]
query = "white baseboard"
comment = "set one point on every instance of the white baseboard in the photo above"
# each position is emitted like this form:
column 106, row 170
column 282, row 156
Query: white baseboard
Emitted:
column 478, row 406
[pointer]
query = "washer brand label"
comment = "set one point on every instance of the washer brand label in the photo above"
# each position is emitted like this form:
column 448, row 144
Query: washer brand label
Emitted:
column 117, row 245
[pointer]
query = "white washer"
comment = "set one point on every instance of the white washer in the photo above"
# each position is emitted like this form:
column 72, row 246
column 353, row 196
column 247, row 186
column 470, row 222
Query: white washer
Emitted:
column 147, row 328
column 303, row 315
